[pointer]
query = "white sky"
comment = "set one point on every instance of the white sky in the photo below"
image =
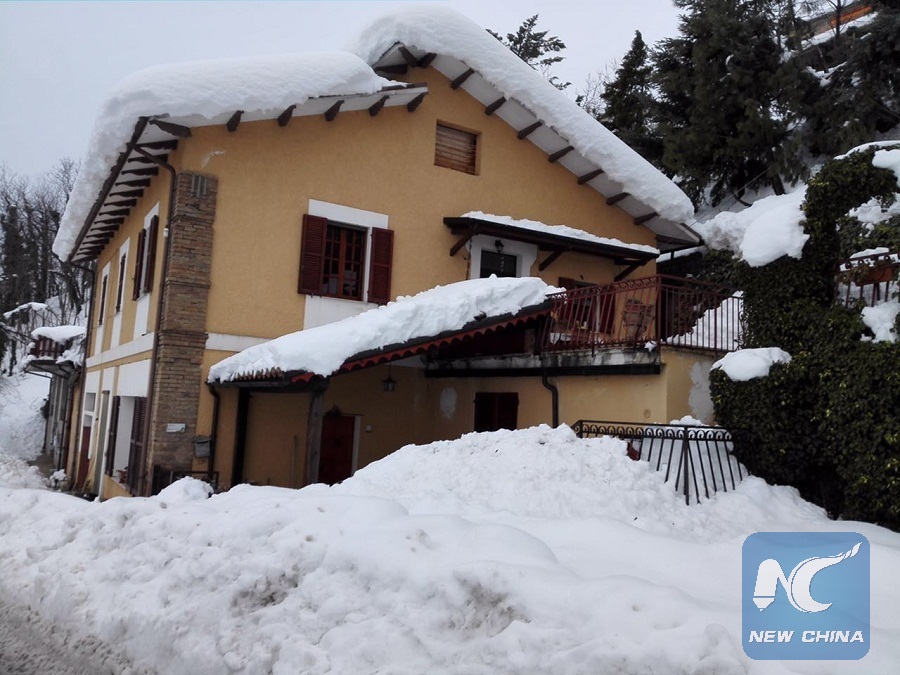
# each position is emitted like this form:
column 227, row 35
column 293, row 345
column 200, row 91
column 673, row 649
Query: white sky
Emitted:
column 58, row 59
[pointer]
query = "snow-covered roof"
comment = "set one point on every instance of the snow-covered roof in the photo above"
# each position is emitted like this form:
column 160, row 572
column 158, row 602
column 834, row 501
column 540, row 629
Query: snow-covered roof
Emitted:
column 58, row 334
column 324, row 349
column 233, row 90
column 461, row 44
column 560, row 231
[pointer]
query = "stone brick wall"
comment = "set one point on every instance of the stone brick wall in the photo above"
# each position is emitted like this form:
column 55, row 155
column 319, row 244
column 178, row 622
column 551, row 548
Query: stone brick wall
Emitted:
column 182, row 330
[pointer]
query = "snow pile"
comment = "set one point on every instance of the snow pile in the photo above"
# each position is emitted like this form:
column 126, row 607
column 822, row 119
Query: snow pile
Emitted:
column 442, row 30
column 888, row 158
column 207, row 89
column 513, row 552
column 322, row 350
column 747, row 364
column 768, row 229
column 559, row 231
column 717, row 328
column 16, row 473
column 185, row 490
column 880, row 319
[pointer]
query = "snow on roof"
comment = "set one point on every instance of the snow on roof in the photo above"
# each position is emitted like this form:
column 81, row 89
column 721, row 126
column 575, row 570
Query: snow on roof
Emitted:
column 322, row 350
column 59, row 334
column 559, row 231
column 204, row 88
column 441, row 30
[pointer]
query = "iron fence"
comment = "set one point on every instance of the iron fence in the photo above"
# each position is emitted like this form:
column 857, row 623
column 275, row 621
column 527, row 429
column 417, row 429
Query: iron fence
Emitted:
column 868, row 278
column 661, row 309
column 699, row 458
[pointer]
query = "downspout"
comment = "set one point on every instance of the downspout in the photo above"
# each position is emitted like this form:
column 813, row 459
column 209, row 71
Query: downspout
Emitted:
column 173, row 186
column 554, row 395
column 212, row 436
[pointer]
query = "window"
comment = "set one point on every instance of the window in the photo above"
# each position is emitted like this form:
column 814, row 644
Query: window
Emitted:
column 502, row 257
column 495, row 411
column 103, row 290
column 456, row 149
column 334, row 258
column 145, row 259
column 501, row 264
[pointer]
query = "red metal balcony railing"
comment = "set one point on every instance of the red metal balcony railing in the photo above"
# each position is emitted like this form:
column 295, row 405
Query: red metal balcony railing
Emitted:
column 45, row 349
column 661, row 309
column 870, row 278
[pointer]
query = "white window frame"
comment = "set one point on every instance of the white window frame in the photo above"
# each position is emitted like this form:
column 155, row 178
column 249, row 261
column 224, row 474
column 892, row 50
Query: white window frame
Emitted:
column 526, row 254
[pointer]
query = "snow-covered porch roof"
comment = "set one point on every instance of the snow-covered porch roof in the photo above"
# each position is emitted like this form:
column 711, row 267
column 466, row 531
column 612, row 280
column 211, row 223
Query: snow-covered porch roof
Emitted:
column 408, row 327
column 555, row 239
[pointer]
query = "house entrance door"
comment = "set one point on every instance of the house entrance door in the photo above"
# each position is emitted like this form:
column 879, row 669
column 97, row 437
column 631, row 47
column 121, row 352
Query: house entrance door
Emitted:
column 336, row 461
column 495, row 411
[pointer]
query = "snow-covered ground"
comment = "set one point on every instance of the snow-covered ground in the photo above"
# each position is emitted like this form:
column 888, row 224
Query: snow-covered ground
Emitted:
column 21, row 429
column 511, row 552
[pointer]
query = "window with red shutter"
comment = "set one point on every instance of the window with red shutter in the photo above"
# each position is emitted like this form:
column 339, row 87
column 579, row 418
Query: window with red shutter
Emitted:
column 120, row 287
column 380, row 266
column 139, row 266
column 312, row 255
column 150, row 258
column 103, row 289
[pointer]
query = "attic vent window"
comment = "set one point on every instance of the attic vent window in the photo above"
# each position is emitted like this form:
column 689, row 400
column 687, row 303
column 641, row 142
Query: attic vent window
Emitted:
column 199, row 186
column 456, row 149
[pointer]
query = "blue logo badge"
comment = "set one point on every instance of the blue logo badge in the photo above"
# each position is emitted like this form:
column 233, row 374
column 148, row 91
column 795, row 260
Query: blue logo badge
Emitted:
column 805, row 595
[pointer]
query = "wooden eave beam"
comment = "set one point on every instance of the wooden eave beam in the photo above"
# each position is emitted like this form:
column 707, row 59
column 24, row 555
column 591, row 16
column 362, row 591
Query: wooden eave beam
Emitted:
column 615, row 199
column 120, row 212
column 462, row 242
column 491, row 108
column 647, row 217
column 426, row 60
column 286, row 115
column 628, row 270
column 140, row 172
column 128, row 202
column 530, row 129
column 113, row 221
column 376, row 107
column 559, row 154
column 142, row 159
column 158, row 145
column 178, row 130
column 407, row 55
column 234, row 121
column 550, row 259
column 590, row 175
column 416, row 102
column 333, row 111
column 395, row 69
column 460, row 79
column 127, row 193
column 134, row 183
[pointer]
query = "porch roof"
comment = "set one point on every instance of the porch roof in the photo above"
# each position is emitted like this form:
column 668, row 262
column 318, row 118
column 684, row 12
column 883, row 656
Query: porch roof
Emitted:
column 408, row 327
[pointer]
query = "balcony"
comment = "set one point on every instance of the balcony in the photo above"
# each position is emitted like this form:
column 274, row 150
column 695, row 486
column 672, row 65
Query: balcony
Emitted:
column 654, row 311
column 871, row 279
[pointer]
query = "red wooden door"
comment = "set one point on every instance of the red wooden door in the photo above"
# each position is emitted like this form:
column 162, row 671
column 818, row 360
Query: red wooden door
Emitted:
column 336, row 461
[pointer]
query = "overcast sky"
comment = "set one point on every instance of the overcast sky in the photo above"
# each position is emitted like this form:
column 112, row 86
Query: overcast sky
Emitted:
column 58, row 59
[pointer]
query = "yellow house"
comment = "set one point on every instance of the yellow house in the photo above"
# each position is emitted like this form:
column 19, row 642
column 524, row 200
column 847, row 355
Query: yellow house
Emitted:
column 228, row 203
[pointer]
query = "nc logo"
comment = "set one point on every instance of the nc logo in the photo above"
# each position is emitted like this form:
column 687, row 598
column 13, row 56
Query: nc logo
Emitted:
column 796, row 586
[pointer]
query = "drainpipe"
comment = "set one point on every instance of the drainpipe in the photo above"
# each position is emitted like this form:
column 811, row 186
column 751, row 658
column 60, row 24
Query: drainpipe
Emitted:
column 554, row 394
column 159, row 305
column 211, row 462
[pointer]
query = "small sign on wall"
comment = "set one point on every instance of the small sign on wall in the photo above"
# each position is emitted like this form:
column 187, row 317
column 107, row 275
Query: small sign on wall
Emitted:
column 174, row 428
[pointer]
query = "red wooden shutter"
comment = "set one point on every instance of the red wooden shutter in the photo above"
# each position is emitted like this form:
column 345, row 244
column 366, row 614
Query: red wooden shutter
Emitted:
column 150, row 266
column 380, row 267
column 103, row 290
column 120, row 287
column 136, row 454
column 138, row 266
column 113, row 434
column 312, row 255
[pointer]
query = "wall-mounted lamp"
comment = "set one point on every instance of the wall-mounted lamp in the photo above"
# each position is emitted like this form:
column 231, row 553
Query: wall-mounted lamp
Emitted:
column 499, row 246
column 389, row 383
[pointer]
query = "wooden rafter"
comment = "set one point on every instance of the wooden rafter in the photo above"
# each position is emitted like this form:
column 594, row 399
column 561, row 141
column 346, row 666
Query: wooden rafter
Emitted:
column 286, row 115
column 408, row 56
column 127, row 202
column 158, row 145
column 134, row 183
column 459, row 79
column 376, row 107
column 178, row 130
column 127, row 193
column 426, row 60
column 559, row 154
column 590, row 175
column 140, row 172
column 640, row 220
column 234, row 121
column 530, row 129
column 550, row 259
column 628, row 270
column 416, row 102
column 491, row 108
column 120, row 212
column 395, row 69
column 111, row 221
column 615, row 199
column 332, row 112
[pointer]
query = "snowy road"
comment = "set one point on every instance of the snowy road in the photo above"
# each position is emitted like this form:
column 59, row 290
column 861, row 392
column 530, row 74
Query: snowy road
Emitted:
column 31, row 646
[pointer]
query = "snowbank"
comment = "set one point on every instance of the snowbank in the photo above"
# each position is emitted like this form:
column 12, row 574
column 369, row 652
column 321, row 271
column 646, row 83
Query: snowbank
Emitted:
column 21, row 422
column 514, row 552
column 442, row 30
column 747, row 364
column 322, row 350
column 880, row 320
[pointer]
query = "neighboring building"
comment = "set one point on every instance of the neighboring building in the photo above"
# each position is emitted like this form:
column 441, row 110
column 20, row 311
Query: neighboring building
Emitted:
column 229, row 203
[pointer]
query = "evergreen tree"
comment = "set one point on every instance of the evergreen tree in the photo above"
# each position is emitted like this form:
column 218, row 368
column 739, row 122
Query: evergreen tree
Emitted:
column 628, row 103
column 728, row 101
column 536, row 48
